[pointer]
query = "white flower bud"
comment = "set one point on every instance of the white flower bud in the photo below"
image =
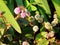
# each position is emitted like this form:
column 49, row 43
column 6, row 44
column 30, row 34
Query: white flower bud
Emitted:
column 48, row 25
column 51, row 34
column 37, row 17
column 40, row 20
column 35, row 28
column 55, row 16
column 25, row 43
column 54, row 22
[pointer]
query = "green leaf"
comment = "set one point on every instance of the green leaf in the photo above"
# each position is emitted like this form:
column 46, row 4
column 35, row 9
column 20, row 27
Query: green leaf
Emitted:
column 42, row 11
column 32, row 8
column 57, row 7
column 44, row 4
column 2, row 23
column 9, row 17
column 43, row 41
column 10, row 31
column 19, row 2
column 29, row 36
column 1, row 32
column 44, row 34
column 9, row 37
column 31, row 1
column 10, row 4
column 38, row 37
column 26, row 3
column 29, row 6
column 52, row 39
column 27, row 30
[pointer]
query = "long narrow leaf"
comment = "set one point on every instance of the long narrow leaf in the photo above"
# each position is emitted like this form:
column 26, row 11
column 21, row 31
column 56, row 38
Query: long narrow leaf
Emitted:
column 57, row 7
column 10, row 4
column 19, row 2
column 44, row 4
column 9, row 16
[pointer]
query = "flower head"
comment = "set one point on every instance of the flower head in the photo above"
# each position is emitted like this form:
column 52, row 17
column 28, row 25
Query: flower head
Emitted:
column 37, row 16
column 17, row 10
column 54, row 22
column 40, row 20
column 25, row 43
column 48, row 25
column 55, row 16
column 51, row 34
column 35, row 28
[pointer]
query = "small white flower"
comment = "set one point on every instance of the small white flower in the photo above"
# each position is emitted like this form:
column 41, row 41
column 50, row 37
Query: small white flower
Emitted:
column 48, row 25
column 35, row 28
column 25, row 43
column 55, row 16
column 54, row 22
column 37, row 16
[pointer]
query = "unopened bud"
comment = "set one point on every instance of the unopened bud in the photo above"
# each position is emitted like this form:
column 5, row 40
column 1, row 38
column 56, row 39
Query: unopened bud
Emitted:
column 35, row 28
column 37, row 17
column 25, row 43
column 48, row 26
column 55, row 16
column 40, row 20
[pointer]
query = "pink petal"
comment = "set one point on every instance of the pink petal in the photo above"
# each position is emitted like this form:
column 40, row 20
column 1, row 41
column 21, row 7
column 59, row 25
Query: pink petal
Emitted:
column 17, row 10
column 23, row 15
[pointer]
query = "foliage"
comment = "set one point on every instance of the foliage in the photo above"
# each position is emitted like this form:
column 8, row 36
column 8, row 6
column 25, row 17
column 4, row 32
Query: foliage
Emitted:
column 29, row 22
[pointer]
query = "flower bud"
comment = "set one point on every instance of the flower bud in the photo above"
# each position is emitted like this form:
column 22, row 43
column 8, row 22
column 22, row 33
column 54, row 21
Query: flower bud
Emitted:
column 31, row 19
column 17, row 10
column 35, row 28
column 51, row 34
column 23, row 15
column 40, row 20
column 37, row 16
column 54, row 22
column 25, row 43
column 48, row 26
column 55, row 16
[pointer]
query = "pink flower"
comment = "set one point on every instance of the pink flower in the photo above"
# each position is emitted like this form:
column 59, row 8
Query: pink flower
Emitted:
column 17, row 10
column 23, row 15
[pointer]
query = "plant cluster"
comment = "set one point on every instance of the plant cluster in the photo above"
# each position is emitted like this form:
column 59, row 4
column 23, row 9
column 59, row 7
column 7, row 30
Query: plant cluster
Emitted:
column 29, row 22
